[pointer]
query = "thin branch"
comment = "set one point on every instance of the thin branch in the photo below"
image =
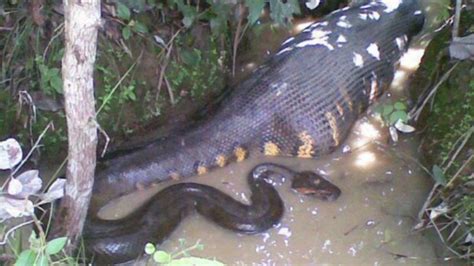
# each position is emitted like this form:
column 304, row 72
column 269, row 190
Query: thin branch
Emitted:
column 416, row 112
column 107, row 98
column 33, row 148
column 237, row 39
column 460, row 170
column 170, row 91
column 460, row 148
column 169, row 48
column 59, row 30
column 13, row 229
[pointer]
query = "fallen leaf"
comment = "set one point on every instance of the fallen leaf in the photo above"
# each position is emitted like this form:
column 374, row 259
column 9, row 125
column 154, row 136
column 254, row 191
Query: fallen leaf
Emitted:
column 10, row 154
column 55, row 191
column 438, row 210
column 462, row 47
column 14, row 187
column 393, row 133
column 402, row 127
column 31, row 182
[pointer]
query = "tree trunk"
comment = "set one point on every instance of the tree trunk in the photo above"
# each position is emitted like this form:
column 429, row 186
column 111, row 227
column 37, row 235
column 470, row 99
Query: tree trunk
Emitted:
column 82, row 20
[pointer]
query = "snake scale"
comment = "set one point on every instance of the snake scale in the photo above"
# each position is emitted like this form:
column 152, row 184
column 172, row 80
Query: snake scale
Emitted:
column 302, row 102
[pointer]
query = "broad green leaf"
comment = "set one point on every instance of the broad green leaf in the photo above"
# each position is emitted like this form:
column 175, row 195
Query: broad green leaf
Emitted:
column 438, row 175
column 161, row 257
column 387, row 109
column 42, row 260
column 56, row 83
column 255, row 10
column 378, row 109
column 191, row 57
column 26, row 258
column 398, row 115
column 195, row 261
column 123, row 11
column 400, row 106
column 126, row 32
column 55, row 245
column 140, row 27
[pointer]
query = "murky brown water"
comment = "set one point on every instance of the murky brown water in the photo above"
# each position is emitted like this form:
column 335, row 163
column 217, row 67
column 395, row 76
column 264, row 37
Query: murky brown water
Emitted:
column 382, row 187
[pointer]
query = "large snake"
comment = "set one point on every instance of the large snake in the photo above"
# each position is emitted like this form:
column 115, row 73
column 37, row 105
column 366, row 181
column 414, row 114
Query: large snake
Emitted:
column 124, row 239
column 302, row 102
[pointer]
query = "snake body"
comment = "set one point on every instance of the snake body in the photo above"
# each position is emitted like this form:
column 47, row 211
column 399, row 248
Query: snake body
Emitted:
column 302, row 102
column 122, row 240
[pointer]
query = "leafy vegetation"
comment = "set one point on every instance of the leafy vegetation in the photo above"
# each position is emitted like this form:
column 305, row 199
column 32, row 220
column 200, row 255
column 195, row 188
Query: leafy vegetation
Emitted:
column 181, row 257
column 448, row 122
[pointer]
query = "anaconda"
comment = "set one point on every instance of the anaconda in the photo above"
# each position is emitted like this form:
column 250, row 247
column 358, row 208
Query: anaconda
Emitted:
column 301, row 102
column 123, row 240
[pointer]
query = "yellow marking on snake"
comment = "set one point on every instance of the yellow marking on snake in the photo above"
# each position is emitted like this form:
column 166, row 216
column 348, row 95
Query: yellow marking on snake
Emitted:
column 202, row 170
column 240, row 154
column 271, row 149
column 221, row 160
column 340, row 110
column 346, row 97
column 175, row 175
column 306, row 150
column 333, row 124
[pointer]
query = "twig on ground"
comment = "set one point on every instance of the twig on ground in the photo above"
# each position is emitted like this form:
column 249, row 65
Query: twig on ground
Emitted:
column 416, row 112
column 237, row 37
column 164, row 64
column 107, row 98
column 466, row 137
column 13, row 229
column 50, row 124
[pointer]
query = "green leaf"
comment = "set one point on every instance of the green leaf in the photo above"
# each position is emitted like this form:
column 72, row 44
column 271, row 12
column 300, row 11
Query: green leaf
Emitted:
column 42, row 260
column 150, row 248
column 196, row 261
column 191, row 57
column 140, row 27
column 395, row 116
column 188, row 21
column 55, row 245
column 378, row 109
column 161, row 257
column 387, row 109
column 438, row 175
column 26, row 258
column 255, row 10
column 123, row 11
column 400, row 106
column 56, row 83
column 131, row 95
column 126, row 32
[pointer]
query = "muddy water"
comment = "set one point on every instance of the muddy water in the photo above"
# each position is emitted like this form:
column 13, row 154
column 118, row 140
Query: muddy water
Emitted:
column 382, row 191
column 382, row 187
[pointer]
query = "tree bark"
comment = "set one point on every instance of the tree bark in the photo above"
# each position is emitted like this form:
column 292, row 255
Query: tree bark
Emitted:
column 82, row 20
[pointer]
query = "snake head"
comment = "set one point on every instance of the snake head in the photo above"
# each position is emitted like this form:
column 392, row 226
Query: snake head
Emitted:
column 311, row 184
